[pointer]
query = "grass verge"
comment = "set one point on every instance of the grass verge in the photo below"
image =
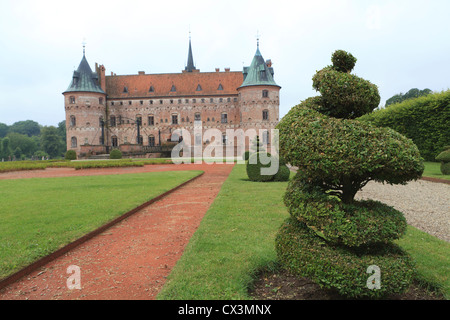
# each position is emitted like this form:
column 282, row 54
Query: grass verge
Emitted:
column 235, row 240
column 40, row 215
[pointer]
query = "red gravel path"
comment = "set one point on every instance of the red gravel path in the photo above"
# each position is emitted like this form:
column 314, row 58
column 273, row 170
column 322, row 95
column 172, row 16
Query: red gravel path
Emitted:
column 131, row 259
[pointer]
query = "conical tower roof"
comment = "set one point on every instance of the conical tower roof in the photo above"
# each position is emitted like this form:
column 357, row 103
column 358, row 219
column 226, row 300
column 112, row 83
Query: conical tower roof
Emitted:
column 84, row 79
column 190, row 63
column 258, row 73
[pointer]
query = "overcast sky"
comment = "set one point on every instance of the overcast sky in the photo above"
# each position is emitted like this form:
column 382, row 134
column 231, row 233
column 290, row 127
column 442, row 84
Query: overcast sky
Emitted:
column 399, row 44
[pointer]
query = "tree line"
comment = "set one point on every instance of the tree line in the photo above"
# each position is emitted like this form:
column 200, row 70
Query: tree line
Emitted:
column 30, row 140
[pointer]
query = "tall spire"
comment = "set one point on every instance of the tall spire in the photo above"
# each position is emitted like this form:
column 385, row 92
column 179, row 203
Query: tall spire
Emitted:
column 190, row 63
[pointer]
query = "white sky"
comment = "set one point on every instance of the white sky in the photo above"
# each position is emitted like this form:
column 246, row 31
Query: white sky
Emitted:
column 399, row 44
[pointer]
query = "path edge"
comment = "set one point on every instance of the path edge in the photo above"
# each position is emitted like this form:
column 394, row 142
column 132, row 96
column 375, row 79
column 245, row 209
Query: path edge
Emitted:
column 72, row 245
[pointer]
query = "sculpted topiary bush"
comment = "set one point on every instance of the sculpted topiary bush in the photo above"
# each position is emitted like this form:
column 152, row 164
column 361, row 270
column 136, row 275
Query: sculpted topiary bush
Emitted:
column 444, row 158
column 330, row 237
column 115, row 154
column 71, row 155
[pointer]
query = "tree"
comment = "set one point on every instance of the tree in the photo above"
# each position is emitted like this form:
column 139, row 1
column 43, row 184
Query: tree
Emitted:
column 26, row 144
column 51, row 141
column 6, row 149
column 411, row 94
column 3, row 130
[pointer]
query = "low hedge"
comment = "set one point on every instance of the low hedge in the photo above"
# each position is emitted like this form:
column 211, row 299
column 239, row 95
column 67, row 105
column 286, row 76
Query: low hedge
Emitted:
column 305, row 254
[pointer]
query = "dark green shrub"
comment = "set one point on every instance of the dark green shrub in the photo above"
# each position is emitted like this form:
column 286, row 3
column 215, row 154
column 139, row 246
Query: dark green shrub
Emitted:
column 115, row 154
column 305, row 254
column 444, row 158
column 424, row 120
column 254, row 166
column 283, row 173
column 71, row 155
column 246, row 155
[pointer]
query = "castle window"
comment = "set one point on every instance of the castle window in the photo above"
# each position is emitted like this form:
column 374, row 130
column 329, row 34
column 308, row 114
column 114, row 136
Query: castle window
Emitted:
column 187, row 100
column 228, row 99
column 265, row 93
column 173, row 89
column 265, row 114
column 203, row 100
column 140, row 140
column 151, row 101
column 211, row 100
column 114, row 141
column 100, row 100
column 207, row 119
column 86, row 141
column 235, row 99
column 151, row 89
column 224, row 118
column 112, row 121
column 121, row 103
column 139, row 120
column 179, row 100
column 125, row 90
column 197, row 116
column 220, row 87
column 174, row 119
column 129, row 102
column 112, row 103
column 151, row 140
column 199, row 88
column 194, row 100
column 72, row 100
column 221, row 100
column 73, row 142
column 171, row 101
column 160, row 102
column 73, row 121
column 120, row 121
column 151, row 120
column 141, row 102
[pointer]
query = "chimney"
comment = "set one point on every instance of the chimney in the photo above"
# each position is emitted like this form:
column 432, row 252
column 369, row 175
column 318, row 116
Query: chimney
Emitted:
column 227, row 69
column 141, row 73
column 217, row 69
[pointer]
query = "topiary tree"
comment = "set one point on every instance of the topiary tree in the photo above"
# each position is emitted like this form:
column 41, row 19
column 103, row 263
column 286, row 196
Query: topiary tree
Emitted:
column 70, row 155
column 332, row 238
column 444, row 158
column 115, row 154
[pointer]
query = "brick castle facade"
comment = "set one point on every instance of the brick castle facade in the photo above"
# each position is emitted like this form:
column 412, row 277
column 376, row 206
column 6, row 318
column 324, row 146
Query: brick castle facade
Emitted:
column 139, row 113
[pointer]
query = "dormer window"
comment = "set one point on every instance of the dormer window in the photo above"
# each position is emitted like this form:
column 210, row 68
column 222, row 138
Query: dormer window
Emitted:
column 220, row 87
column 199, row 88
column 125, row 90
column 151, row 89
column 173, row 89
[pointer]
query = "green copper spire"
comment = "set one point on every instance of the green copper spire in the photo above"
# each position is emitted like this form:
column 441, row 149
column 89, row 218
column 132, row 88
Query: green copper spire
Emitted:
column 258, row 73
column 84, row 79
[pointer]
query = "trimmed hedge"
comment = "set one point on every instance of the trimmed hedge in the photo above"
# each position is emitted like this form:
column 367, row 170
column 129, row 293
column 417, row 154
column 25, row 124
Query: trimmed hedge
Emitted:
column 304, row 253
column 444, row 158
column 425, row 120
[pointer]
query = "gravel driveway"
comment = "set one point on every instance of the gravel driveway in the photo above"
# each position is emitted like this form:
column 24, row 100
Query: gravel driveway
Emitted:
column 425, row 204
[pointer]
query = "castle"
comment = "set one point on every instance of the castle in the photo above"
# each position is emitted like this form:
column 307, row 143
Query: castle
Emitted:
column 139, row 114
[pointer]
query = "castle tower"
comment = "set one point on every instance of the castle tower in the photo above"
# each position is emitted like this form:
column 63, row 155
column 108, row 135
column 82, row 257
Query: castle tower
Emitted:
column 259, row 97
column 85, row 106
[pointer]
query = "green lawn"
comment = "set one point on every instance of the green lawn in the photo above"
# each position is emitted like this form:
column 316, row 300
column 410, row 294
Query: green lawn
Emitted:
column 235, row 240
column 40, row 215
column 432, row 169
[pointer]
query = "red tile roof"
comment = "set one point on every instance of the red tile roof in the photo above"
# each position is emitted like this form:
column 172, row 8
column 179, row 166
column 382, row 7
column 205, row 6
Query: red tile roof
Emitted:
column 185, row 84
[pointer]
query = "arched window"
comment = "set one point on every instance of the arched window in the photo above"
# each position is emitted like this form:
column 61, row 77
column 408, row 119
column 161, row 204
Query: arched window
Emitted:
column 73, row 121
column 73, row 142
column 114, row 141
